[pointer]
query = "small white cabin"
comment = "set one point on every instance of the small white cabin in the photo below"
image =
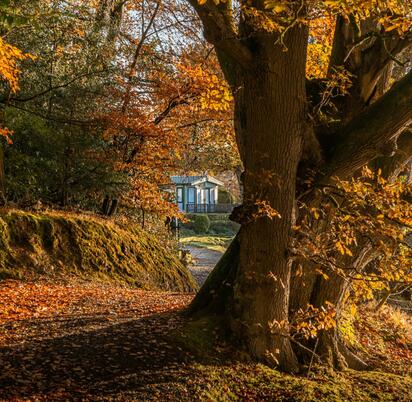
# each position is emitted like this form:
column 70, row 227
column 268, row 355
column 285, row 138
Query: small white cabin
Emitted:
column 197, row 193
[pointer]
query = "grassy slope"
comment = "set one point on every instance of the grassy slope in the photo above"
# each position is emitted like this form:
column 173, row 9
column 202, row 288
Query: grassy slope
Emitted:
column 86, row 247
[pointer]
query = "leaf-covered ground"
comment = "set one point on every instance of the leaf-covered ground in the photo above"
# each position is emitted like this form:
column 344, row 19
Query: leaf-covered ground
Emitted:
column 94, row 342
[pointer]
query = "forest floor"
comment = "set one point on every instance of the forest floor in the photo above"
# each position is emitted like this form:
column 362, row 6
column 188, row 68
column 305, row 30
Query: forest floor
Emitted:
column 82, row 341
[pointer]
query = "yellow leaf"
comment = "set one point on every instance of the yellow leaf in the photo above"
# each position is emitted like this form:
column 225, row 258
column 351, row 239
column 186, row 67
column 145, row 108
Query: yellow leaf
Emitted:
column 340, row 247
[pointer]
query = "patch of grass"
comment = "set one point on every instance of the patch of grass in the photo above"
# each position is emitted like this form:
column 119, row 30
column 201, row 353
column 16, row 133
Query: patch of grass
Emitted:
column 215, row 243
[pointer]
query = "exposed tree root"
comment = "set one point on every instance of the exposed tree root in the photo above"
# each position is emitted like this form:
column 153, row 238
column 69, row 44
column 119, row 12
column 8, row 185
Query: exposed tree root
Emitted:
column 216, row 298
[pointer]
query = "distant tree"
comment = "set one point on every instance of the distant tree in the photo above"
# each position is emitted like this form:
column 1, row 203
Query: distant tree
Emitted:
column 10, row 56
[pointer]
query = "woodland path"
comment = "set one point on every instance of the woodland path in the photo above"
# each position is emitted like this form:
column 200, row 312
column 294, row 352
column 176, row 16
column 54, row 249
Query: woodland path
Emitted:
column 204, row 262
column 89, row 342
column 82, row 341
column 92, row 342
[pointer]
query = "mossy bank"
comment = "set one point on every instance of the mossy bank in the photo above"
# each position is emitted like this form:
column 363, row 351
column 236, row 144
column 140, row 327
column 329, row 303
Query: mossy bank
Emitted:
column 53, row 244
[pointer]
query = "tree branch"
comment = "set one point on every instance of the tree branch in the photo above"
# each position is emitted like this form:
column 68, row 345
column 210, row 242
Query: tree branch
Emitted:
column 392, row 166
column 50, row 89
column 373, row 132
column 219, row 30
column 136, row 55
column 366, row 54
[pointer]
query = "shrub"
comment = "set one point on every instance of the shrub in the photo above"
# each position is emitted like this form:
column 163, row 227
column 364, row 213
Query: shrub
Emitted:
column 225, row 228
column 201, row 224
column 224, row 196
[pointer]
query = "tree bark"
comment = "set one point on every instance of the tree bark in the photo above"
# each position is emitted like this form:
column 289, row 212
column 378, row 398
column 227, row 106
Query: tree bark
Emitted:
column 2, row 176
column 270, row 122
column 270, row 113
column 372, row 133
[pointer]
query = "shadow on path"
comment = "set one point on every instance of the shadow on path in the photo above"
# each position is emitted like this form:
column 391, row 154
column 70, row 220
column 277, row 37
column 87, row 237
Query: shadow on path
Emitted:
column 132, row 360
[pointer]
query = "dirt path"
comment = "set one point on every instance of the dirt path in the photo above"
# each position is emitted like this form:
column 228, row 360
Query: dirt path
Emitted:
column 82, row 341
column 204, row 262
column 90, row 342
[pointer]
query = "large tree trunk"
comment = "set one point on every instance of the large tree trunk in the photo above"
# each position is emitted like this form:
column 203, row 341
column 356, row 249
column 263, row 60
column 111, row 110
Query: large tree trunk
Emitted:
column 270, row 122
column 270, row 109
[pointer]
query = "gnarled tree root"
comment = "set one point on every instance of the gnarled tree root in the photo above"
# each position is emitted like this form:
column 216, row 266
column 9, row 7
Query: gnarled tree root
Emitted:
column 334, row 352
column 216, row 296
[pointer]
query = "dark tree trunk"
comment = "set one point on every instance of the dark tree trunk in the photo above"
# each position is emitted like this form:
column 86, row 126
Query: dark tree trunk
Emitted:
column 106, row 205
column 270, row 122
column 2, row 168
column 113, row 207
column 2, row 176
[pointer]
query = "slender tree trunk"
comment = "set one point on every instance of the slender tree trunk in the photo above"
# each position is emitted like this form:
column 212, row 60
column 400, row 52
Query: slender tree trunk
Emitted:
column 2, row 171
column 2, row 176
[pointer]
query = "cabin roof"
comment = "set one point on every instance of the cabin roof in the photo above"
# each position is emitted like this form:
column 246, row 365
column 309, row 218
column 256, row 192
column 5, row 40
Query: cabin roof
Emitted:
column 194, row 180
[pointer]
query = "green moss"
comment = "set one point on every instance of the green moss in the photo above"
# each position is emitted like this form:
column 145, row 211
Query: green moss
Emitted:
column 9, row 274
column 201, row 336
column 258, row 382
column 4, row 242
column 90, row 248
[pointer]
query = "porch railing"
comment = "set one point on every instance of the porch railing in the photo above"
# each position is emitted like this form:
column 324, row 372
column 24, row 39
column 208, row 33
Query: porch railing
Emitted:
column 210, row 208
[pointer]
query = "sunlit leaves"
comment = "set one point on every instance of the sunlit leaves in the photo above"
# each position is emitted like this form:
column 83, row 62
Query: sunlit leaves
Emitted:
column 319, row 46
column 310, row 321
column 365, row 215
column 215, row 2
column 214, row 92
column 10, row 56
column 392, row 14
column 6, row 133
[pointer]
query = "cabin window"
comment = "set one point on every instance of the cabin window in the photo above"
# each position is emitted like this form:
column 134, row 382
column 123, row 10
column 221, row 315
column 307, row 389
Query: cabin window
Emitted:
column 191, row 195
column 179, row 196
